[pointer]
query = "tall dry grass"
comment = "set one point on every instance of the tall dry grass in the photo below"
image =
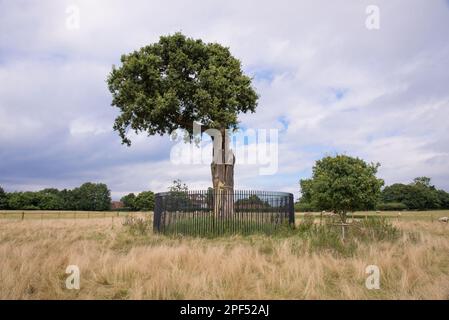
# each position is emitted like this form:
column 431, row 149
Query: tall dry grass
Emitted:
column 115, row 264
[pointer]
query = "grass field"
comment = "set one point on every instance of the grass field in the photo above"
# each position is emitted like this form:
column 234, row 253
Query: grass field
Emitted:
column 115, row 264
column 430, row 215
column 39, row 214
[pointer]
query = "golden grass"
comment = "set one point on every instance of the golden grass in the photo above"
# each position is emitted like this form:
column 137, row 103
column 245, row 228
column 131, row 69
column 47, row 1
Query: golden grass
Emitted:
column 117, row 265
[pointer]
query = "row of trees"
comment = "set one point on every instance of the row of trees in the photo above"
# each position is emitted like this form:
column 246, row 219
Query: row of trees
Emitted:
column 418, row 195
column 144, row 201
column 345, row 184
column 88, row 197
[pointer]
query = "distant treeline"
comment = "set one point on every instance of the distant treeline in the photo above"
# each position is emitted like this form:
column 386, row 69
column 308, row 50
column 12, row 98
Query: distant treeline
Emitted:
column 142, row 202
column 88, row 197
column 418, row 195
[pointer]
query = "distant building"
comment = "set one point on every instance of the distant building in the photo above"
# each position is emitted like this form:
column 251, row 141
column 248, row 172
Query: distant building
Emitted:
column 117, row 205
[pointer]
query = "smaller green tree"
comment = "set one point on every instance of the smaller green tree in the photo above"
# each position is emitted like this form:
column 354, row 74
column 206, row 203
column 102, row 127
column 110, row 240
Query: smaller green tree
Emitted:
column 144, row 201
column 50, row 199
column 343, row 184
column 129, row 201
column 92, row 197
column 418, row 195
column 24, row 201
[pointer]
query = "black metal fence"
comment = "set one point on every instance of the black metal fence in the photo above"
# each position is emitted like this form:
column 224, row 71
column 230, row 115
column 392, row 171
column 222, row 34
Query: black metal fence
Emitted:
column 209, row 212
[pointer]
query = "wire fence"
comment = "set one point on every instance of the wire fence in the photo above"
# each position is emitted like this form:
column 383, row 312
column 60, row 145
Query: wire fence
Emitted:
column 209, row 212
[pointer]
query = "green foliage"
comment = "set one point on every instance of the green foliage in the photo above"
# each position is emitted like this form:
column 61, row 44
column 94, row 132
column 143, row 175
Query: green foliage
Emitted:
column 169, row 84
column 342, row 184
column 424, row 181
column 24, row 200
column 419, row 195
column 144, row 201
column 328, row 236
column 305, row 186
column 391, row 206
column 129, row 201
column 3, row 199
column 374, row 229
column 50, row 199
column 90, row 196
column 443, row 199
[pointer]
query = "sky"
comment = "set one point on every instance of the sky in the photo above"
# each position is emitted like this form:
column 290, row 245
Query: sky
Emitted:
column 327, row 83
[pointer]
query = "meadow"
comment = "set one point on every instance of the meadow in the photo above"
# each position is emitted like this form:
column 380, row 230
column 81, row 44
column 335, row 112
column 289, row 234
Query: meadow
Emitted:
column 116, row 263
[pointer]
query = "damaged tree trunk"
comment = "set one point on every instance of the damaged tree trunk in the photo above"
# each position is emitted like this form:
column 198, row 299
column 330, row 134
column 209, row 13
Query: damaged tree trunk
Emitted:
column 222, row 168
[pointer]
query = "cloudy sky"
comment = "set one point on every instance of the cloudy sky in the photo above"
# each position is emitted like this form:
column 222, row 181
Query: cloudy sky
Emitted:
column 327, row 83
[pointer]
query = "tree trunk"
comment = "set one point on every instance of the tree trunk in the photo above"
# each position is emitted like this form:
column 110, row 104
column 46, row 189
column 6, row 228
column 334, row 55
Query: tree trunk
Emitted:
column 222, row 168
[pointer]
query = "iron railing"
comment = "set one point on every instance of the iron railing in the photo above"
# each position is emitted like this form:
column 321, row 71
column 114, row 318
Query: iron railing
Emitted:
column 209, row 212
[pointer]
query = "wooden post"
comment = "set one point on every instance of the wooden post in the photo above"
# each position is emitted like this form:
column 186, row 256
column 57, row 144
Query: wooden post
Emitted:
column 23, row 215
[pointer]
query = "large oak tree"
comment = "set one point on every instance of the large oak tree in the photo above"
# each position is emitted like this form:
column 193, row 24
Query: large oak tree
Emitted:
column 177, row 81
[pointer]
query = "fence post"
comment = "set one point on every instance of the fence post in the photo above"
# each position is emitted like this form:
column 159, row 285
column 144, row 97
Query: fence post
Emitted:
column 291, row 210
column 23, row 215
